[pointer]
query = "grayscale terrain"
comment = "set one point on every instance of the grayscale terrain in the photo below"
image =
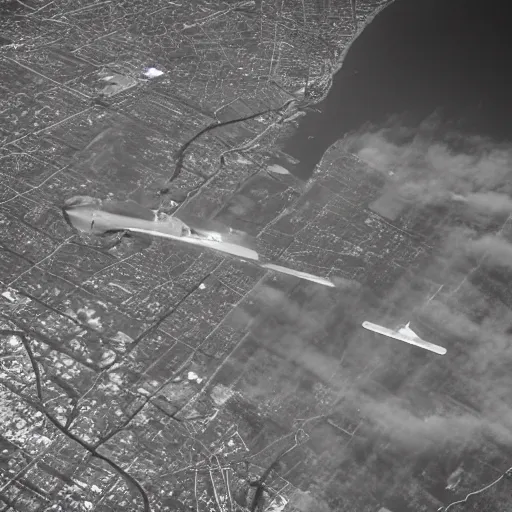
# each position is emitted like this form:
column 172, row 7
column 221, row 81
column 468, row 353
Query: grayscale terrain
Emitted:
column 145, row 373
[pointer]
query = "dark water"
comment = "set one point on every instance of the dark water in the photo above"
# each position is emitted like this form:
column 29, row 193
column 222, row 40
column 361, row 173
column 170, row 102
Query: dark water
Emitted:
column 415, row 58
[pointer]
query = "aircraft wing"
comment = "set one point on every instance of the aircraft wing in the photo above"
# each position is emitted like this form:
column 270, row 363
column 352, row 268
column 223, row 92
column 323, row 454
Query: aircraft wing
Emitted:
column 233, row 249
column 391, row 333
column 297, row 273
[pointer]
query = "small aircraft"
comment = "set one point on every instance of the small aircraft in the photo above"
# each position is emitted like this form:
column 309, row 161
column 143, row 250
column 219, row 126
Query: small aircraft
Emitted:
column 406, row 334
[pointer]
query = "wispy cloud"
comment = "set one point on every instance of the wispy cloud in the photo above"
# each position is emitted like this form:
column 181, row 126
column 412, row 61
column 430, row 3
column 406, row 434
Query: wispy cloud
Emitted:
column 430, row 164
column 496, row 250
column 471, row 177
column 493, row 203
column 411, row 418
column 417, row 403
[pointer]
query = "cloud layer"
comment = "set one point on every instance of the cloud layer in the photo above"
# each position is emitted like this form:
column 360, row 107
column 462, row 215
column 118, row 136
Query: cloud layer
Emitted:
column 418, row 403
column 430, row 164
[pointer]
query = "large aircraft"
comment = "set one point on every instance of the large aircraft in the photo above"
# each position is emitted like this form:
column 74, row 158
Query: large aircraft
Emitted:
column 406, row 334
column 96, row 216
